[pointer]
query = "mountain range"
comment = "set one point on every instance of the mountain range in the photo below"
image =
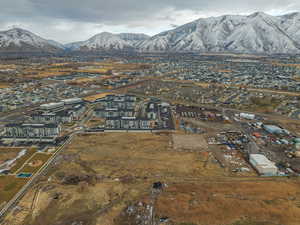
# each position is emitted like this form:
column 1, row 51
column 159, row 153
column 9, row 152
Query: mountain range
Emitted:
column 256, row 33
column 19, row 40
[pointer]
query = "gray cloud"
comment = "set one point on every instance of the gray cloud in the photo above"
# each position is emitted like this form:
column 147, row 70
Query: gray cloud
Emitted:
column 69, row 20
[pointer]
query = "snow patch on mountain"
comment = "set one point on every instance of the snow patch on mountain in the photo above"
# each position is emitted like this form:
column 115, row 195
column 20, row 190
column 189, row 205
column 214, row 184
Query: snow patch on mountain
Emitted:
column 18, row 39
column 256, row 33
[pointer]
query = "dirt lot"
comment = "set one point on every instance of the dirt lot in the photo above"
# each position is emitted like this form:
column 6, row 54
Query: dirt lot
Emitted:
column 189, row 142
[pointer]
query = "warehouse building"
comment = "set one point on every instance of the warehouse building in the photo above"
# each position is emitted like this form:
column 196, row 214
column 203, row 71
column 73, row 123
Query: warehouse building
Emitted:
column 263, row 165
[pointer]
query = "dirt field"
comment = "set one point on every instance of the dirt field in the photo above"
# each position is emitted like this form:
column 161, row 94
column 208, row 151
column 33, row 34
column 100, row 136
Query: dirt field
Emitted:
column 97, row 96
column 7, row 154
column 9, row 186
column 189, row 142
column 94, row 122
column 35, row 163
column 232, row 203
column 4, row 85
column 137, row 154
column 98, row 177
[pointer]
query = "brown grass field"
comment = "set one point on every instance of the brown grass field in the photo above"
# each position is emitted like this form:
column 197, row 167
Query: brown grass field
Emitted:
column 6, row 154
column 4, row 85
column 37, row 157
column 189, row 142
column 232, row 203
column 97, row 96
column 99, row 175
column 9, row 186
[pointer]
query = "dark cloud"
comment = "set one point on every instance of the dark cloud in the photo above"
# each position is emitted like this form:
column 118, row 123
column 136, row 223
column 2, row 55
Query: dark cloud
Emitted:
column 49, row 17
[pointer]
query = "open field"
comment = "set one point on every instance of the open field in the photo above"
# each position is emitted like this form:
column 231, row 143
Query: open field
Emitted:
column 97, row 96
column 4, row 85
column 232, row 203
column 98, row 176
column 9, row 186
column 61, row 69
column 7, row 154
column 35, row 163
column 94, row 122
column 141, row 154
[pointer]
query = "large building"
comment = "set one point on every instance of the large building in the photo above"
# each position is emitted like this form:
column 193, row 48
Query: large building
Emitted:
column 113, row 112
column 52, row 106
column 128, row 123
column 263, row 165
column 56, row 106
column 31, row 132
column 119, row 101
column 123, row 112
column 72, row 101
column 60, row 116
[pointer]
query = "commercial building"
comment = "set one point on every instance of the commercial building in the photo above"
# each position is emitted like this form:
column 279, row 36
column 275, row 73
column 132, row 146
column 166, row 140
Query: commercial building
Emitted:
column 72, row 101
column 60, row 105
column 64, row 115
column 263, row 165
column 52, row 106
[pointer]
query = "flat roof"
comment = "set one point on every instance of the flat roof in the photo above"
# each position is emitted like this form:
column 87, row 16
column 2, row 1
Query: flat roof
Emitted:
column 262, row 160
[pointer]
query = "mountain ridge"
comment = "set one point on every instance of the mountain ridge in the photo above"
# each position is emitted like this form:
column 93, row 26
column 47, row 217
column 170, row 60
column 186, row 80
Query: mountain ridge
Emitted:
column 255, row 33
column 20, row 40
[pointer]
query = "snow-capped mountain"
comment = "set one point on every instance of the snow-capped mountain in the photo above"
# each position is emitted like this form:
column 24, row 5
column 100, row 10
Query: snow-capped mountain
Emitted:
column 56, row 44
column 133, row 38
column 256, row 33
column 19, row 40
column 108, row 41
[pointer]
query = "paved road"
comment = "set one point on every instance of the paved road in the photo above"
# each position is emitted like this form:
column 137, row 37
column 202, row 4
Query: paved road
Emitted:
column 35, row 177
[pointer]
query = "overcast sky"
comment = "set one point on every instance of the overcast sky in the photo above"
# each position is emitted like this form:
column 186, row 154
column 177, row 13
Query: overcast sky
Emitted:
column 76, row 20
